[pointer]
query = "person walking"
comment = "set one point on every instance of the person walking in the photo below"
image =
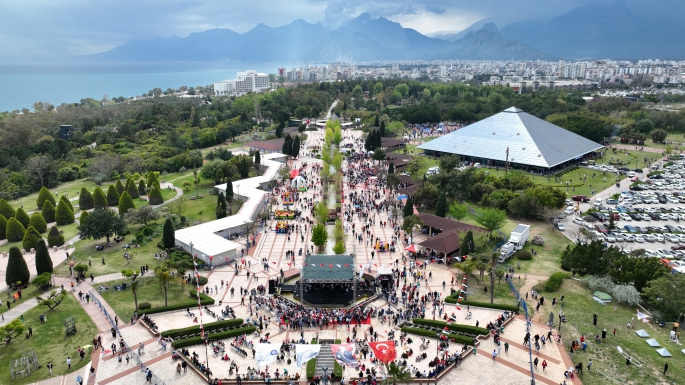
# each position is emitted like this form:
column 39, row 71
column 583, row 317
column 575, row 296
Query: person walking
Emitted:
column 589, row 366
column 665, row 368
column 494, row 354
column 544, row 365
column 506, row 347
column 68, row 363
column 535, row 362
column 79, row 380
column 184, row 365
column 594, row 319
column 178, row 369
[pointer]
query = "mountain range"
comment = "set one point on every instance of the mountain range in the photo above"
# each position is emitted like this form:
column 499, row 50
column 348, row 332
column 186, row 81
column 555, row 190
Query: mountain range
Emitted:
column 361, row 39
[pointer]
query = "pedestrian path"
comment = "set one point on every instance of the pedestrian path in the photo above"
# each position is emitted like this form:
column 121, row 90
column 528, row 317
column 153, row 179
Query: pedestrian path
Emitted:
column 16, row 311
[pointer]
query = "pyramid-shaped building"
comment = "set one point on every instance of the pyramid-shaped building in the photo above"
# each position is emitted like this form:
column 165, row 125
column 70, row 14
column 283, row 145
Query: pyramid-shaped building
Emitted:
column 533, row 143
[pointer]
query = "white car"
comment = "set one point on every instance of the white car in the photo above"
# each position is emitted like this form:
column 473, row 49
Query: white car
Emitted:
column 673, row 216
column 639, row 238
column 651, row 253
column 650, row 238
column 672, row 238
column 659, row 237
column 673, row 200
column 646, row 217
column 628, row 237
column 578, row 220
column 619, row 237
column 625, row 217
column 610, row 238
column 569, row 210
column 664, row 253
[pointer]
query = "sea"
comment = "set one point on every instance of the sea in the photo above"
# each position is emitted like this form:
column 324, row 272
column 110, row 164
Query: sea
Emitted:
column 23, row 85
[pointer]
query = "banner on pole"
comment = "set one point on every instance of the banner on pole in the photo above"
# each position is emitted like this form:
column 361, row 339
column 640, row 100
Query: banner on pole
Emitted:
column 266, row 354
column 344, row 354
column 305, row 352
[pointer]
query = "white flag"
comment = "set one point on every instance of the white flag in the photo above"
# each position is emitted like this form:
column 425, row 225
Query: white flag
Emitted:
column 265, row 354
column 304, row 353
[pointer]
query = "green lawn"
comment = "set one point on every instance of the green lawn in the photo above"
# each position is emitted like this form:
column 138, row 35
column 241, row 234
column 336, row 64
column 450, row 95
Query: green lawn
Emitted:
column 148, row 291
column 579, row 307
column 69, row 232
column 71, row 188
column 50, row 343
column 629, row 157
column 675, row 137
column 26, row 294
column 166, row 194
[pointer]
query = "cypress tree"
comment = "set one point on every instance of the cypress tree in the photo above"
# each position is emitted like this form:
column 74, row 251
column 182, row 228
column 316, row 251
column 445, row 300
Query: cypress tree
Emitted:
column 3, row 227
column 44, row 195
column 17, row 269
column 68, row 203
column 376, row 122
column 120, row 187
column 99, row 198
column 85, row 199
column 295, row 149
column 6, row 209
column 279, row 130
column 63, row 215
column 84, row 217
column 14, row 231
column 151, row 178
column 112, row 196
column 381, row 130
column 257, row 157
column 43, row 260
column 156, row 197
column 48, row 211
column 441, row 208
column 22, row 217
column 131, row 188
column 142, row 191
column 408, row 208
column 391, row 168
column 467, row 246
column 55, row 238
column 221, row 206
column 31, row 238
column 168, row 236
column 229, row 192
column 125, row 203
column 38, row 222
column 287, row 145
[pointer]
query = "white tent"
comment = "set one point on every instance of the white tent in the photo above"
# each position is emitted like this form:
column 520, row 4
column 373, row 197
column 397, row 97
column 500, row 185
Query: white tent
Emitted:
column 642, row 333
column 663, row 352
column 298, row 182
column 653, row 343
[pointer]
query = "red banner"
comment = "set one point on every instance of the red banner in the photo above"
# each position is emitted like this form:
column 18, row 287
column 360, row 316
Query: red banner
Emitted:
column 384, row 351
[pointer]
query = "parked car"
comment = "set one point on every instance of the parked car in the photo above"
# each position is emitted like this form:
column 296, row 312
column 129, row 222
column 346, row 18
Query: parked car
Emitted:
column 580, row 198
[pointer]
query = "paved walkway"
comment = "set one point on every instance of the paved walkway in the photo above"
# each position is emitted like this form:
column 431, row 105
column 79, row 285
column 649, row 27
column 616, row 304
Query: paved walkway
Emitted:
column 16, row 311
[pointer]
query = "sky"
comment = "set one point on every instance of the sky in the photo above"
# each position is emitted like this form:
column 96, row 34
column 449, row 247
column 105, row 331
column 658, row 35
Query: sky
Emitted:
column 46, row 29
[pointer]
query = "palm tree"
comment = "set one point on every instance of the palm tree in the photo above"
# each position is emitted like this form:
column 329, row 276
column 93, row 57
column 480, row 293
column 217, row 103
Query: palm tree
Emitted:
column 397, row 374
column 165, row 277
column 134, row 290
column 493, row 271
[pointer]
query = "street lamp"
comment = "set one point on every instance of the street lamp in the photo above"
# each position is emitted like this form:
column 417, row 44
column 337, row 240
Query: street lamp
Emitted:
column 191, row 248
column 206, row 338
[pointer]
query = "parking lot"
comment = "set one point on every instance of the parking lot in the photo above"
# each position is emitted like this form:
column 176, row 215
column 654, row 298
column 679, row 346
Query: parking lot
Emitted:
column 650, row 216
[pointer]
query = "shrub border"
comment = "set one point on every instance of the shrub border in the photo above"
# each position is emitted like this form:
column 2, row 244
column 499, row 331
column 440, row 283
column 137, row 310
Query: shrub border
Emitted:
column 230, row 323
column 468, row 329
column 205, row 301
column 429, row 333
column 213, row 337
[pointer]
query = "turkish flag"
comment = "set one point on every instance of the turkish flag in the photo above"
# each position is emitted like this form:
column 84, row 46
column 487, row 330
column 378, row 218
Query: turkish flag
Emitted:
column 384, row 350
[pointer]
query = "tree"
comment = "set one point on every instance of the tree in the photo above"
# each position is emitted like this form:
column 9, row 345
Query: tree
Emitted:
column 397, row 374
column 22, row 217
column 381, row 128
column 85, row 199
column 64, row 215
column 142, row 191
column 295, row 149
column 42, row 281
column 659, row 135
column 152, row 178
column 3, row 227
column 6, row 209
column 168, row 235
column 467, row 244
column 665, row 295
column 320, row 212
column 589, row 258
column 15, row 230
column 54, row 300
column 391, row 168
column 125, row 203
column 55, row 238
column 229, row 192
column 339, row 248
column 220, row 206
column 645, row 126
column 134, row 291
column 101, row 224
column 636, row 271
column 165, row 277
column 319, row 235
column 131, row 188
column 410, row 223
column 48, row 211
column 287, row 148
column 43, row 260
column 441, row 208
column 279, row 130
column 39, row 167
column 378, row 154
column 156, row 197
column 142, row 215
column 120, row 187
column 12, row 330
column 17, row 270
column 44, row 195
column 67, row 202
column 112, row 196
column 491, row 218
column 458, row 211
column 257, row 157
column 408, row 208
column 99, row 198
column 38, row 222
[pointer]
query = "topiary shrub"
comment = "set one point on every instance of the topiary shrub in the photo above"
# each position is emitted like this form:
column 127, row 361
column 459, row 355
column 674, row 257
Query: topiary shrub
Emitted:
column 17, row 270
column 99, row 198
column 31, row 238
column 55, row 238
column 43, row 281
column 156, row 197
column 524, row 255
column 48, row 211
column 68, row 202
column 131, row 188
column 151, row 178
column 64, row 215
column 125, row 203
column 144, row 305
column 3, row 227
column 6, row 209
column 141, row 188
column 120, row 187
column 112, row 196
column 203, row 281
column 85, row 199
column 38, row 222
column 22, row 217
column 554, row 281
column 43, row 260
column 15, row 230
column 43, row 196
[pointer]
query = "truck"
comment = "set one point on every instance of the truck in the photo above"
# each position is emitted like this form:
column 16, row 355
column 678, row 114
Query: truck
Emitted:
column 517, row 240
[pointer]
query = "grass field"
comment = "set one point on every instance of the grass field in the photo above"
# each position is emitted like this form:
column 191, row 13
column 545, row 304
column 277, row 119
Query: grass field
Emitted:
column 26, row 294
column 70, row 232
column 579, row 308
column 70, row 188
column 148, row 291
column 50, row 343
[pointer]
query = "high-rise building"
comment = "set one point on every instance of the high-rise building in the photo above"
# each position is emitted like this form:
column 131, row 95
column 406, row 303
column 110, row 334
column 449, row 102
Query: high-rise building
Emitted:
column 249, row 81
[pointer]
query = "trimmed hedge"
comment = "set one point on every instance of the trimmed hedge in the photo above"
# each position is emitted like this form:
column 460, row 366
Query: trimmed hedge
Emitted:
column 48, row 212
column 64, row 214
column 55, row 238
column 14, row 231
column 205, row 300
column 3, row 227
column 452, row 298
column 524, row 255
column 554, row 281
column 38, row 222
column 6, row 209
column 156, row 197
column 125, row 203
column 85, row 199
column 429, row 333
column 468, row 329
column 311, row 365
column 43, row 196
column 213, row 337
column 231, row 323
column 112, row 196
column 31, row 238
column 487, row 305
column 99, row 198
column 22, row 217
column 203, row 281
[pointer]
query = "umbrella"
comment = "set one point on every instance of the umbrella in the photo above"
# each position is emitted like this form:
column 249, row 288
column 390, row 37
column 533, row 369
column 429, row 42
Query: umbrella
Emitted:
column 400, row 197
column 411, row 248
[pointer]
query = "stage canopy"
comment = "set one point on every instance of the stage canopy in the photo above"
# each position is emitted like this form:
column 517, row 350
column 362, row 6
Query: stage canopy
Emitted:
column 328, row 268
